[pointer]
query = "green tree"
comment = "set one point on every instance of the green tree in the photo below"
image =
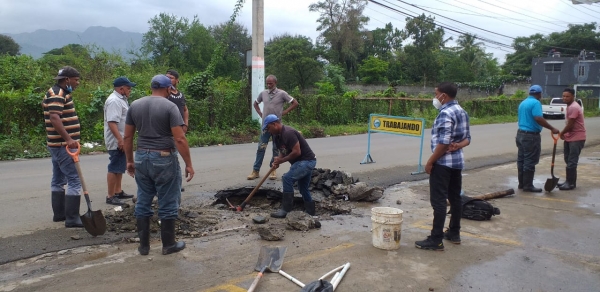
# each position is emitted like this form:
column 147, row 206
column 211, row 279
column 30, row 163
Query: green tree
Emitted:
column 526, row 48
column 420, row 60
column 238, row 41
column 341, row 23
column 8, row 46
column 383, row 43
column 294, row 60
column 453, row 67
column 373, row 70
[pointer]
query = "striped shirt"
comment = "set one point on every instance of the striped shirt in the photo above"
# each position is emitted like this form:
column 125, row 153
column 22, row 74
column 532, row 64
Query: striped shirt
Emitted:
column 450, row 126
column 57, row 101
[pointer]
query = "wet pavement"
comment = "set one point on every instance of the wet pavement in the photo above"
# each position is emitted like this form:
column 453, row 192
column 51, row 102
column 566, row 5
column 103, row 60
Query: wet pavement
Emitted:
column 539, row 242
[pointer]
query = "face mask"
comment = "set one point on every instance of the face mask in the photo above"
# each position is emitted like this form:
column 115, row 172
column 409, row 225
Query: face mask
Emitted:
column 69, row 88
column 437, row 103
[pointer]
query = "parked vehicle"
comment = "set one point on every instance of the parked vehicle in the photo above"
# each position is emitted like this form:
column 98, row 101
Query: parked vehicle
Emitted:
column 557, row 108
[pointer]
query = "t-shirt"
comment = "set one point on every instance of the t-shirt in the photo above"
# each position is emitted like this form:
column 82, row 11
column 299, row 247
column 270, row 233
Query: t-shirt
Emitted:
column 179, row 100
column 577, row 133
column 115, row 110
column 59, row 102
column 273, row 101
column 286, row 141
column 153, row 118
column 528, row 110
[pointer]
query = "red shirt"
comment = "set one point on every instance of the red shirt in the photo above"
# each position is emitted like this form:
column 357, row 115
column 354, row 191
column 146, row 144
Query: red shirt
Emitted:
column 577, row 133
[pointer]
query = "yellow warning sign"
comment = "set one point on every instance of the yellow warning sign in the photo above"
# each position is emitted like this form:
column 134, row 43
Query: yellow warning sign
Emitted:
column 396, row 125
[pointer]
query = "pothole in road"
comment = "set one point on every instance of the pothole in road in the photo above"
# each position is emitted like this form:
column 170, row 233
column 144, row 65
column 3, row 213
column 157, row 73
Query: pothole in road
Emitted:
column 333, row 191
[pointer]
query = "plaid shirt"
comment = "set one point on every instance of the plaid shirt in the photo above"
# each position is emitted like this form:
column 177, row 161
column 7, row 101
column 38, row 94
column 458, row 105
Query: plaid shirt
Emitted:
column 451, row 126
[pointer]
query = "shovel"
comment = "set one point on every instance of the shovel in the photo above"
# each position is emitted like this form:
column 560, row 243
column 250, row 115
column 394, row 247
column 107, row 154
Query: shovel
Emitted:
column 553, row 181
column 93, row 221
column 241, row 207
column 269, row 258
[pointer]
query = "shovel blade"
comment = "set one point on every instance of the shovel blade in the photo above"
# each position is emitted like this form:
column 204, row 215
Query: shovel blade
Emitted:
column 271, row 258
column 94, row 222
column 551, row 184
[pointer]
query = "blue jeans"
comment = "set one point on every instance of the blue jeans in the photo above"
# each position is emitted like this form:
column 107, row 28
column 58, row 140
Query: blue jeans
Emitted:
column 260, row 153
column 64, row 172
column 157, row 173
column 445, row 183
column 300, row 172
column 571, row 151
column 530, row 147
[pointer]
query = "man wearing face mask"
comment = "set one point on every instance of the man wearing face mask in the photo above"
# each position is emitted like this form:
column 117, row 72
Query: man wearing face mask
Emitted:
column 62, row 129
column 449, row 134
column 528, row 138
column 156, row 166
column 115, row 111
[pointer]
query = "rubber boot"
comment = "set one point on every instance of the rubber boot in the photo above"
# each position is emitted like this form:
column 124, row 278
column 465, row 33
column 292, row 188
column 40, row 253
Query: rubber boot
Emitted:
column 520, row 176
column 571, row 178
column 287, row 203
column 143, row 226
column 309, row 208
column 561, row 184
column 528, row 182
column 167, row 235
column 72, row 219
column 58, row 206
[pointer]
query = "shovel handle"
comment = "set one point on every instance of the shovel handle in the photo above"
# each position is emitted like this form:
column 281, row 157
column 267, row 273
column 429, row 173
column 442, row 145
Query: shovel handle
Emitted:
column 241, row 207
column 555, row 138
column 74, row 155
column 255, row 283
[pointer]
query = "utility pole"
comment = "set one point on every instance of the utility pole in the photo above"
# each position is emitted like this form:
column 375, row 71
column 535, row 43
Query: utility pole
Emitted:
column 258, row 54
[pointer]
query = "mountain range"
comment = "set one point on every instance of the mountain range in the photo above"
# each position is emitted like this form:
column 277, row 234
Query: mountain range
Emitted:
column 111, row 39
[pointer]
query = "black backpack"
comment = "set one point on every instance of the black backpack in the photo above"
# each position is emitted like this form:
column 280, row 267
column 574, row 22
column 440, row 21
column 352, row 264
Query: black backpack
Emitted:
column 476, row 209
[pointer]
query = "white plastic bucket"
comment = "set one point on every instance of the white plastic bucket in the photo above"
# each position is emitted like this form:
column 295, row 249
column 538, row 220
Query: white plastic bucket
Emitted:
column 387, row 225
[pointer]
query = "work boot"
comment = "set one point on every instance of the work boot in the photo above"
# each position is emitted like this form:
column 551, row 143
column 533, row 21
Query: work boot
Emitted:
column 452, row 236
column 72, row 219
column 143, row 226
column 309, row 208
column 273, row 175
column 58, row 206
column 167, row 235
column 287, row 203
column 558, row 185
column 430, row 244
column 528, row 182
column 253, row 175
column 569, row 184
column 123, row 195
column 520, row 176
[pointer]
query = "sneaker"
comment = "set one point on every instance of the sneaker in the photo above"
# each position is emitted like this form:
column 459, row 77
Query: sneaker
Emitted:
column 452, row 236
column 114, row 201
column 273, row 175
column 253, row 175
column 429, row 244
column 123, row 195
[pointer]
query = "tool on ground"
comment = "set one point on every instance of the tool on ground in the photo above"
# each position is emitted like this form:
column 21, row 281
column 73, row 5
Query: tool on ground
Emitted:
column 93, row 221
column 241, row 207
column 322, row 285
column 489, row 196
column 553, row 181
column 269, row 259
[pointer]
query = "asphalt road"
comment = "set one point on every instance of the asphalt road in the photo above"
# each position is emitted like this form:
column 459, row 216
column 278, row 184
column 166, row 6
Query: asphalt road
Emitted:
column 25, row 196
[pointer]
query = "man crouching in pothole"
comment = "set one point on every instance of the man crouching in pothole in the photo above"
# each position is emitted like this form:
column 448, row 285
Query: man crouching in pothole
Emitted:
column 293, row 149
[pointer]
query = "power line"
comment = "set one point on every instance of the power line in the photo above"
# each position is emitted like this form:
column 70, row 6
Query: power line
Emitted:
column 517, row 12
column 573, row 7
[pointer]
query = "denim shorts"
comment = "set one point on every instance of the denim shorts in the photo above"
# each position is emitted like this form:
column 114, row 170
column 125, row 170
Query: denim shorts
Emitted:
column 117, row 163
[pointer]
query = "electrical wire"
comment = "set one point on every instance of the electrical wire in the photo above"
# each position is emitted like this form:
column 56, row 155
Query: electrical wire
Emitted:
column 574, row 7
column 530, row 16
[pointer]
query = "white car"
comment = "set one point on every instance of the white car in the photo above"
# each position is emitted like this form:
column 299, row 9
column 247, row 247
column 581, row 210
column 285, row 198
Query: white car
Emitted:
column 557, row 108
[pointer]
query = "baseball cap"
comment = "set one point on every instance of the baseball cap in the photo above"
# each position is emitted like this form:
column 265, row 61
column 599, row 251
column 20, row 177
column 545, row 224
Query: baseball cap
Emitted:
column 535, row 89
column 67, row 71
column 269, row 119
column 160, row 81
column 123, row 81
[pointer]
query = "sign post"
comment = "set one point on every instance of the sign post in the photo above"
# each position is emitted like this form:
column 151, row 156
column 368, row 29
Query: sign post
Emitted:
column 405, row 126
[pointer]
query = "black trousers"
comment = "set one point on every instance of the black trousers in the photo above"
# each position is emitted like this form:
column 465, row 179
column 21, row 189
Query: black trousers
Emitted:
column 445, row 183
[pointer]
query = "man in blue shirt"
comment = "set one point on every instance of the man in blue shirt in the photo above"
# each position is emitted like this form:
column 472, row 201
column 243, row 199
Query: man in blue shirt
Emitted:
column 449, row 134
column 528, row 138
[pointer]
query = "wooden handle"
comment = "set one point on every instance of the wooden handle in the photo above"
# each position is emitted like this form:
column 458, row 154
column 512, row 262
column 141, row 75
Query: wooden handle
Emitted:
column 255, row 283
column 256, row 188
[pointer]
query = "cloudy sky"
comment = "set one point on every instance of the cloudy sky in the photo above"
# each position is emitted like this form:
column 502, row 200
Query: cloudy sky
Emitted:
column 498, row 21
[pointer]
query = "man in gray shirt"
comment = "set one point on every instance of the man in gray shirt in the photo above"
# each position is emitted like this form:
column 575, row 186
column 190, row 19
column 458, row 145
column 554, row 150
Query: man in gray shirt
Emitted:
column 115, row 111
column 156, row 167
column 273, row 100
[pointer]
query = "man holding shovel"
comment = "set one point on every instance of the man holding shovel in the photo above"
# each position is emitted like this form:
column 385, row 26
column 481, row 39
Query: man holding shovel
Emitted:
column 528, row 138
column 156, row 169
column 292, row 148
column 62, row 129
column 574, row 136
